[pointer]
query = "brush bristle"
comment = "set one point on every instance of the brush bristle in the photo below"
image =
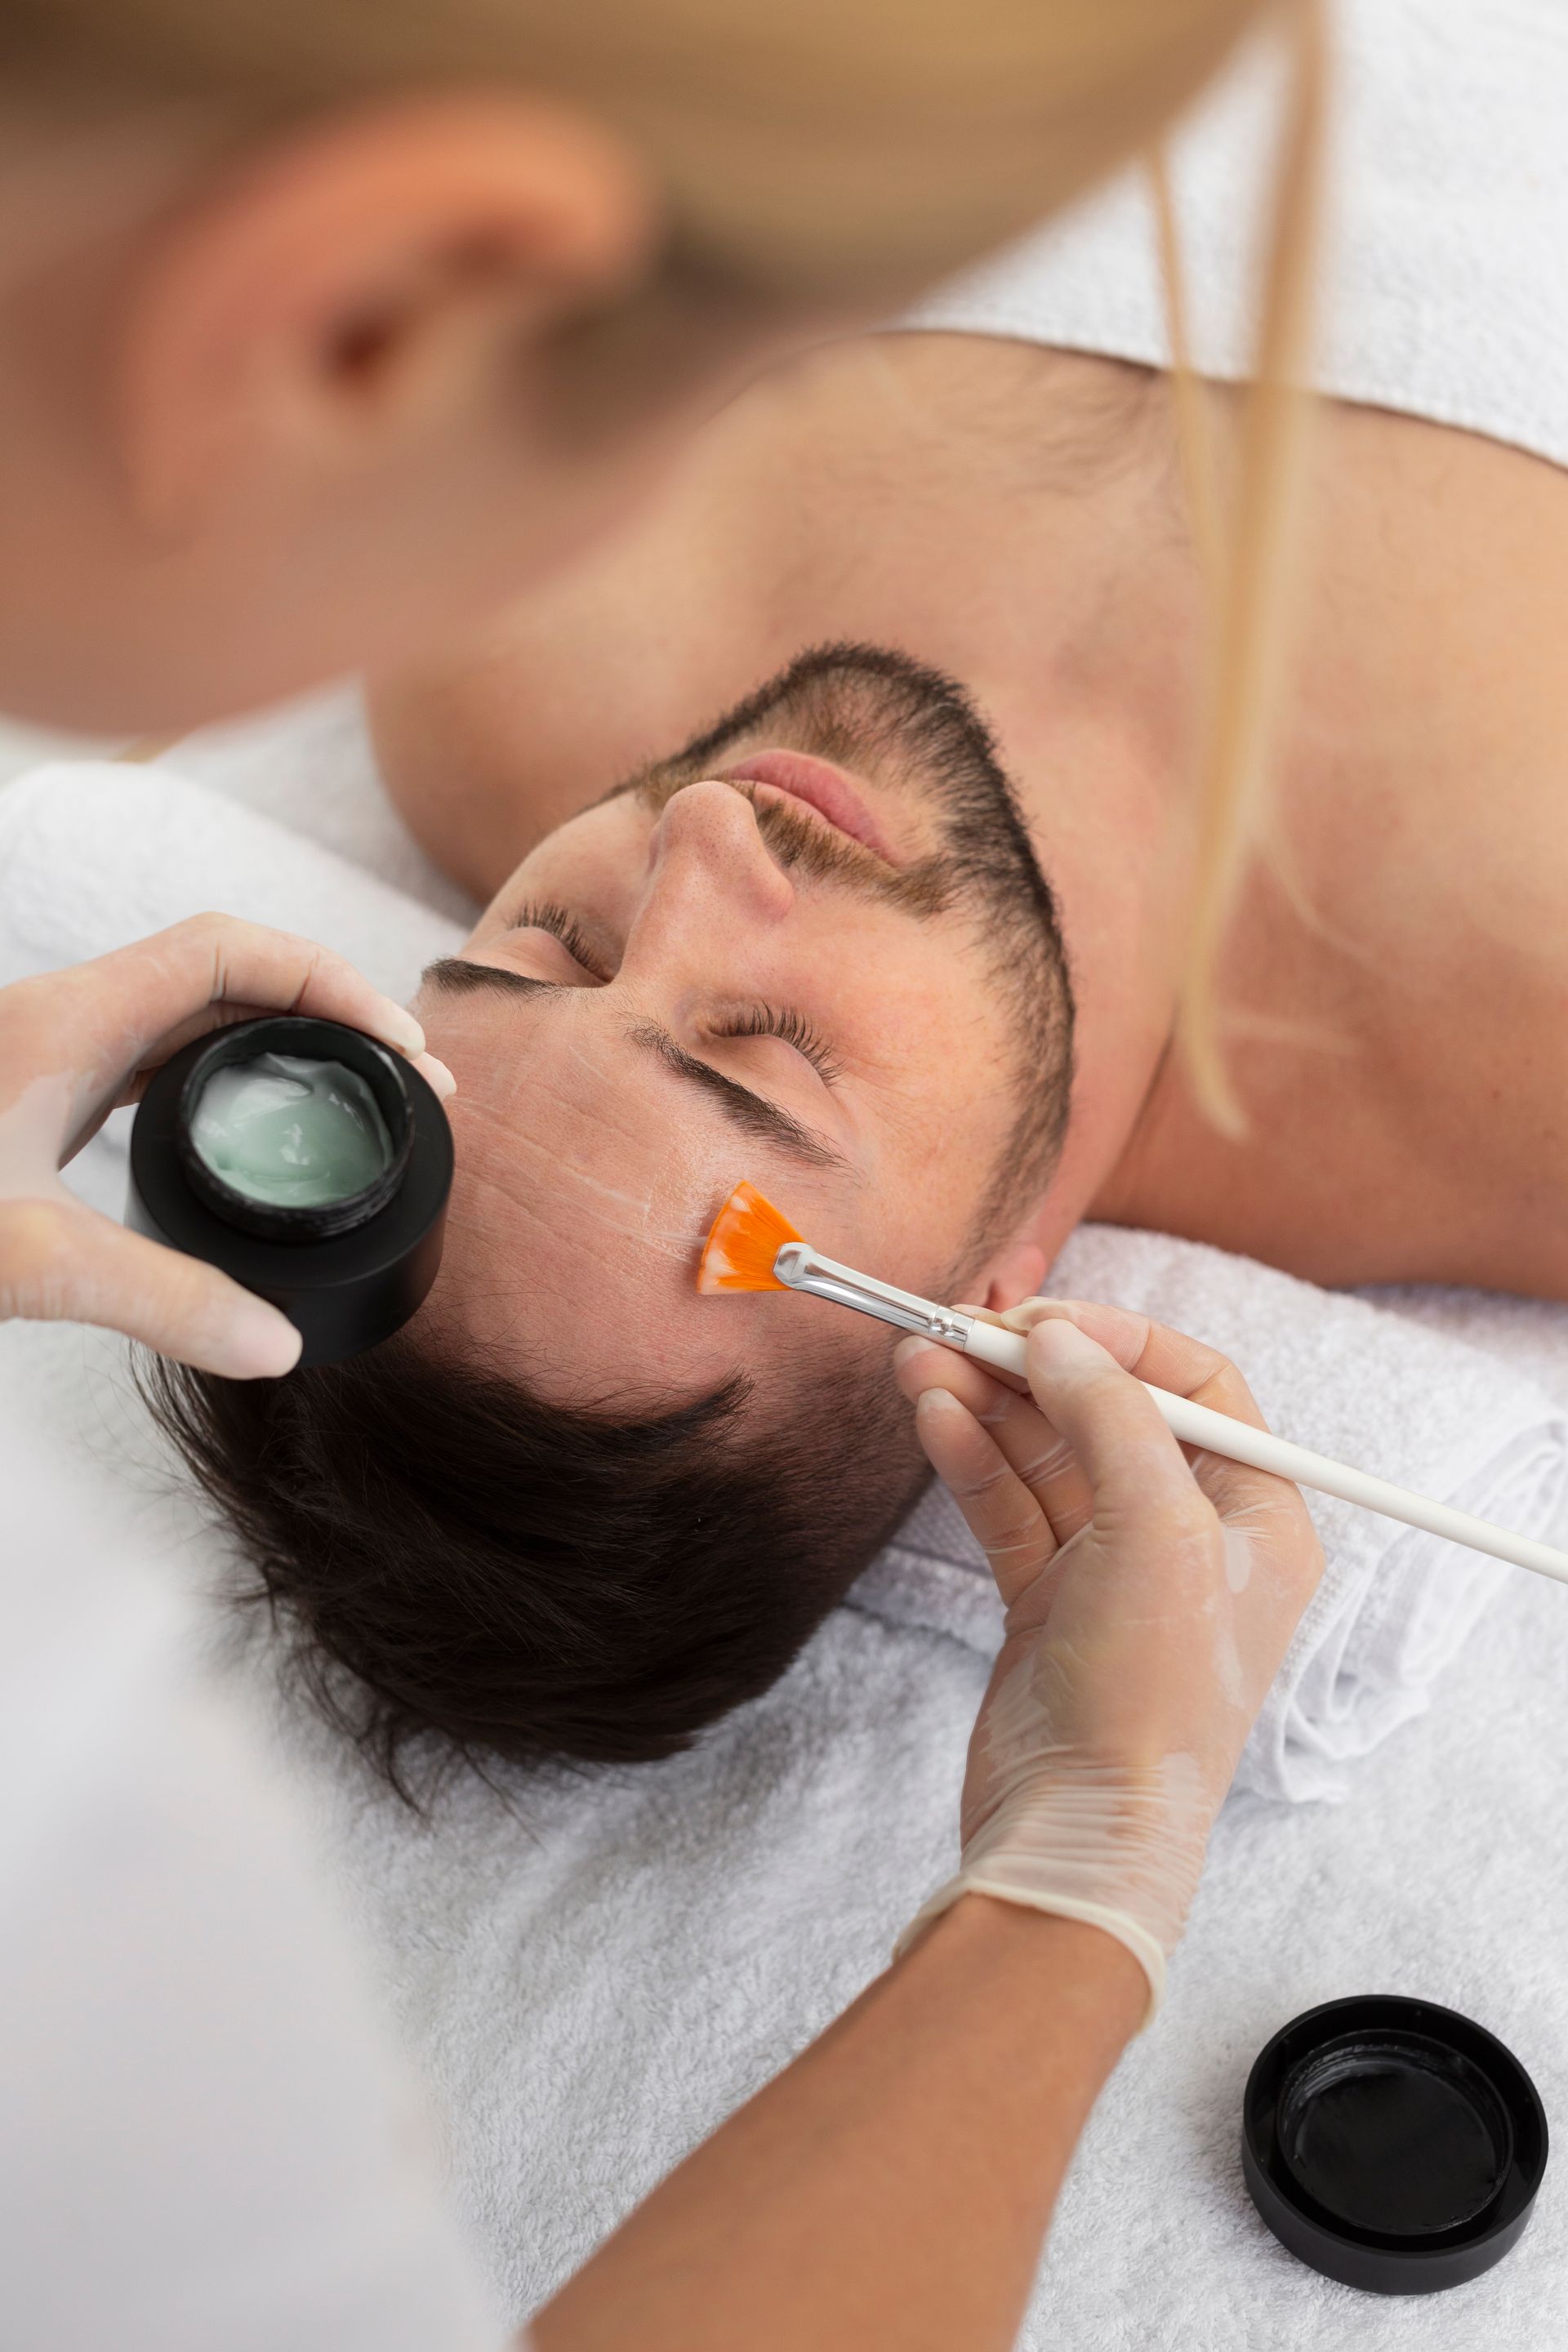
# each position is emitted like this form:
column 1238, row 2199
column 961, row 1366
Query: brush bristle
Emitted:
column 748, row 1234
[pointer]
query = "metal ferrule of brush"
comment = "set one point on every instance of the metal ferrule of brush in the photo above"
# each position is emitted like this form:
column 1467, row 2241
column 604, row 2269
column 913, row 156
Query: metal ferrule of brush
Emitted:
column 800, row 1268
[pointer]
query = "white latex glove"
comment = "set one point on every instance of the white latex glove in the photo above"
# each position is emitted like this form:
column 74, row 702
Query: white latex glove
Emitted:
column 1150, row 1601
column 74, row 1046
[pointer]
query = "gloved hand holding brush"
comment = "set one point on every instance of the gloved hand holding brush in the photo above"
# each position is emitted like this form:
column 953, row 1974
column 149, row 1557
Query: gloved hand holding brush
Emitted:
column 1150, row 1601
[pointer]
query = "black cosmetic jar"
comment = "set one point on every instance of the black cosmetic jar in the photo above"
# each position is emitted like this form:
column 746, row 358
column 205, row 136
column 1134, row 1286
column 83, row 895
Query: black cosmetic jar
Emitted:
column 347, row 1271
column 1393, row 2144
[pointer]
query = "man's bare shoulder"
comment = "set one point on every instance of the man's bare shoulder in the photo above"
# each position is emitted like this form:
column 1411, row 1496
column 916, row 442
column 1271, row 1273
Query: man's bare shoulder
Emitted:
column 1396, row 980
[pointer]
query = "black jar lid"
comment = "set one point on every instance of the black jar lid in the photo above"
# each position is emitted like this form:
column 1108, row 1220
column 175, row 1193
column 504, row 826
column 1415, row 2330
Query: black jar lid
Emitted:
column 1392, row 2144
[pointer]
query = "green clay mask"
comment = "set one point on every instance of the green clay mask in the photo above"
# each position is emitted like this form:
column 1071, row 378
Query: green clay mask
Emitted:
column 296, row 1133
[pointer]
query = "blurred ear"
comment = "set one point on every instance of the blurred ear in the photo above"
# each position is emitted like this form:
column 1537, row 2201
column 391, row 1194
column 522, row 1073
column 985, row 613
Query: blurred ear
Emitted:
column 339, row 298
column 1015, row 1273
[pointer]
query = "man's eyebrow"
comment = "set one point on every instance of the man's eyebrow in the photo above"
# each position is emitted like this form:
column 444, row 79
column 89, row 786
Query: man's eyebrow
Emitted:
column 754, row 1113
column 456, row 976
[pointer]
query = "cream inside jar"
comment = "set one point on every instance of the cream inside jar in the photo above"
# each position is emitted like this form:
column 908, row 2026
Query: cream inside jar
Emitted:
column 292, row 1132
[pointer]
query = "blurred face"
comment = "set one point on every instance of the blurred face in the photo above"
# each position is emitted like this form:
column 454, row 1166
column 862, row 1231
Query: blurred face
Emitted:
column 368, row 324
column 814, row 950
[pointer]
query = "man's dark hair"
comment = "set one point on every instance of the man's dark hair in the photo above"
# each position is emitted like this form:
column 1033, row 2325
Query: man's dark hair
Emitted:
column 445, row 1552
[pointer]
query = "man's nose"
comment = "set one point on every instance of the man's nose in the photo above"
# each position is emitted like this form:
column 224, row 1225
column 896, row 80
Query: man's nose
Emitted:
column 709, row 864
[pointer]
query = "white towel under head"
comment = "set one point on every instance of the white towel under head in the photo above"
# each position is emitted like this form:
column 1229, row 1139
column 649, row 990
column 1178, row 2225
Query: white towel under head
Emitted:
column 97, row 852
column 94, row 855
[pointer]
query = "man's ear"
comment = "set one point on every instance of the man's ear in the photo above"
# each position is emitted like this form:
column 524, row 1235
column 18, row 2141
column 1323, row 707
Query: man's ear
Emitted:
column 337, row 296
column 1015, row 1273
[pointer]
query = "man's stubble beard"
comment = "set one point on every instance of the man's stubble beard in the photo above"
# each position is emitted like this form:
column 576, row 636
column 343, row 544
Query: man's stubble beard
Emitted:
column 899, row 724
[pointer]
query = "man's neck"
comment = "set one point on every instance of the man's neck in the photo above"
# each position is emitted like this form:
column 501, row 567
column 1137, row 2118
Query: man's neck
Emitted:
column 1101, row 741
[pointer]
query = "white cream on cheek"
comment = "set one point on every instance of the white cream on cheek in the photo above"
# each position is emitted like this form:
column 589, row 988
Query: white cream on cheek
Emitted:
column 660, row 1218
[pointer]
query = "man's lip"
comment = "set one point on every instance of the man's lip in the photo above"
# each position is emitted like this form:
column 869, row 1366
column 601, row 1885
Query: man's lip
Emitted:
column 821, row 787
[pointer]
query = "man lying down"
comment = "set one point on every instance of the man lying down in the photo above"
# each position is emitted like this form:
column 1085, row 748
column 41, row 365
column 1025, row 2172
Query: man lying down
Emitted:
column 897, row 937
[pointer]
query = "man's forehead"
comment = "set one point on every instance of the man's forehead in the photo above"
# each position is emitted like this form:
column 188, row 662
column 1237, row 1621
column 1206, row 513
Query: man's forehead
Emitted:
column 533, row 1077
column 574, row 1242
column 572, row 1185
column 629, row 1054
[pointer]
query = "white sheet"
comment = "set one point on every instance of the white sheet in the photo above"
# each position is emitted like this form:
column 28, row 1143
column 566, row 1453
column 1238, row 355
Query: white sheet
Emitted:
column 1446, row 246
column 1441, row 1877
column 595, row 1980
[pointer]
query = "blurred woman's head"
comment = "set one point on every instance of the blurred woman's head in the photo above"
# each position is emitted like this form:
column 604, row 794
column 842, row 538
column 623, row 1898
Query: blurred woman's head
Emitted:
column 303, row 303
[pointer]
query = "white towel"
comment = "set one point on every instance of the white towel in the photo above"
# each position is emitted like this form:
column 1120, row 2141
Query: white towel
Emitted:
column 597, row 1969
column 1445, row 279
column 96, row 854
column 310, row 766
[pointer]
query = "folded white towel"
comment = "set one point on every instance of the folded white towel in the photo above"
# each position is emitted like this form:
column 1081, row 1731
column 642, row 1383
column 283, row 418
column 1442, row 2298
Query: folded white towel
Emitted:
column 599, row 1968
column 310, row 765
column 1445, row 279
column 96, row 854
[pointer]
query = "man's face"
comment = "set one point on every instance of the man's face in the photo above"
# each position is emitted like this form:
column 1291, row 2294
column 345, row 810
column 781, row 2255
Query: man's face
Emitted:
column 814, row 950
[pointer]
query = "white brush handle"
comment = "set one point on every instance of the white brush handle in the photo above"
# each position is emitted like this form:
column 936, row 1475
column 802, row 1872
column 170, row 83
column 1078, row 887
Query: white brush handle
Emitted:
column 1199, row 1424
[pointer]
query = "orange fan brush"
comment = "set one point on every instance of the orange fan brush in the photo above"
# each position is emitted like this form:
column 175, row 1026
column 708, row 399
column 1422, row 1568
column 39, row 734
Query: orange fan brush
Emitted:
column 752, row 1247
column 747, row 1236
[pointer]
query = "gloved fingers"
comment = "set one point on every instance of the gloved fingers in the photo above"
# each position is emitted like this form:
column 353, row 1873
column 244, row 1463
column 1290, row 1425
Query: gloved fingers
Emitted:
column 1169, row 1360
column 211, row 960
column 1034, row 1451
column 1003, row 1323
column 1151, row 1352
column 1003, row 1516
column 1265, row 1524
column 60, row 1261
column 1134, row 1468
column 921, row 1364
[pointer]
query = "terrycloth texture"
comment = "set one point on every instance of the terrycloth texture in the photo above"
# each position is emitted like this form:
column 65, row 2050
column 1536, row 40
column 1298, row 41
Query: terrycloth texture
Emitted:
column 598, row 1972
column 1445, row 286
column 142, row 845
column 310, row 766
column 598, row 1969
column 95, row 852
